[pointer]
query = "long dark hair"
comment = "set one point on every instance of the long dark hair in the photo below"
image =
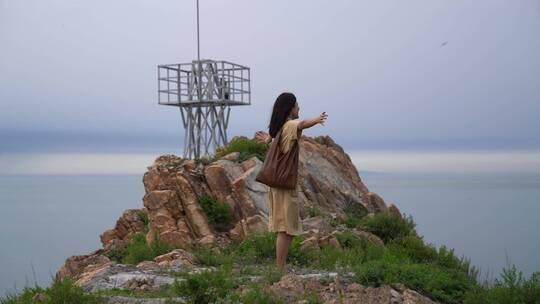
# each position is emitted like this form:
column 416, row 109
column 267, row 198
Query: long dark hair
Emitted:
column 282, row 107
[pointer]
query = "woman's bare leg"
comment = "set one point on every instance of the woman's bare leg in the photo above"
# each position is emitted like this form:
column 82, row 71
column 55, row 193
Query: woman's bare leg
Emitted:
column 282, row 248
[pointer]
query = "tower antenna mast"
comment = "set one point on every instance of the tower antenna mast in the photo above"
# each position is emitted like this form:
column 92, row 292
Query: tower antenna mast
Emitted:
column 204, row 90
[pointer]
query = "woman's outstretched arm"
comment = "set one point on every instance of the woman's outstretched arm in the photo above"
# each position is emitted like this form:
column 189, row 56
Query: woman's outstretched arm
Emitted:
column 308, row 123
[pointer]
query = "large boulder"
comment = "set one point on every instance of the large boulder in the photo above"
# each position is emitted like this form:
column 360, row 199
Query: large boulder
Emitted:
column 76, row 265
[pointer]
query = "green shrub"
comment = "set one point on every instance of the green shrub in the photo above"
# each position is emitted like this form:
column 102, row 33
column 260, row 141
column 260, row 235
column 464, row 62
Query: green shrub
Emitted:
column 218, row 213
column 297, row 256
column 413, row 248
column 447, row 285
column 320, row 139
column 206, row 286
column 144, row 218
column 511, row 288
column 116, row 254
column 60, row 291
column 446, row 258
column 348, row 239
column 388, row 226
column 354, row 212
column 138, row 250
column 246, row 147
column 333, row 221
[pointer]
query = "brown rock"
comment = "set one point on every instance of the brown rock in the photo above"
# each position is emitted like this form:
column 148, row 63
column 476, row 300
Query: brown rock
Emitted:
column 220, row 175
column 190, row 165
column 129, row 223
column 329, row 240
column 369, row 237
column 249, row 163
column 393, row 209
column 148, row 265
column 310, row 243
column 412, row 297
column 75, row 265
column 251, row 196
column 327, row 175
column 233, row 156
column 316, row 224
column 194, row 214
column 207, row 241
column 377, row 203
column 176, row 238
column 185, row 257
column 245, row 227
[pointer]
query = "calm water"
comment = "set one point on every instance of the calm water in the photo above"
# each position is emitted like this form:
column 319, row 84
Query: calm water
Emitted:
column 46, row 219
column 482, row 216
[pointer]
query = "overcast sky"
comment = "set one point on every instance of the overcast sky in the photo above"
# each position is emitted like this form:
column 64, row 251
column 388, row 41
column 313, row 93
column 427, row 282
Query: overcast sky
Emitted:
column 390, row 74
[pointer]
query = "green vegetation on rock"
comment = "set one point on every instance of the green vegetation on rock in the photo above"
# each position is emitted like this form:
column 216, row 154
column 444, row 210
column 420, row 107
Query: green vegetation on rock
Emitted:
column 245, row 146
column 138, row 250
column 388, row 226
column 218, row 213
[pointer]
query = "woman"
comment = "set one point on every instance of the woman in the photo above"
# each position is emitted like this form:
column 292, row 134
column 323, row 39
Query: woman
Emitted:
column 283, row 208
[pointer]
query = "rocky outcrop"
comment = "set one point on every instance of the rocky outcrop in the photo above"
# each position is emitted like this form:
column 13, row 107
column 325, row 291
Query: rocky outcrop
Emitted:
column 328, row 178
column 75, row 265
column 328, row 181
column 129, row 223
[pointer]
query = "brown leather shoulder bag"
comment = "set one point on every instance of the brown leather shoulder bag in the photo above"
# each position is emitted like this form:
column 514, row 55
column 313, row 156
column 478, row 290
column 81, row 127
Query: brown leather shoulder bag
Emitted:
column 280, row 170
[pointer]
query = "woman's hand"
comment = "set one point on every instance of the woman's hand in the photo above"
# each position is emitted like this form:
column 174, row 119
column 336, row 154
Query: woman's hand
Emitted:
column 322, row 118
column 308, row 123
column 262, row 136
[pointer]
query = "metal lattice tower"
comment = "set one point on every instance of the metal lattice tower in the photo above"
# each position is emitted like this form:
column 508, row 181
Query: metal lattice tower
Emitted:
column 204, row 91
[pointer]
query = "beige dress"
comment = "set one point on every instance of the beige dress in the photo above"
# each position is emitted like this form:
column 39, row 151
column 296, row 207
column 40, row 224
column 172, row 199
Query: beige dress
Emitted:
column 283, row 208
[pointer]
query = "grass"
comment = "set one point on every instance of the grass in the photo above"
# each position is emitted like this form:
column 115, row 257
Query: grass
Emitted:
column 510, row 288
column 247, row 148
column 211, row 256
column 138, row 250
column 218, row 213
column 256, row 294
column 164, row 291
column 60, row 291
column 207, row 286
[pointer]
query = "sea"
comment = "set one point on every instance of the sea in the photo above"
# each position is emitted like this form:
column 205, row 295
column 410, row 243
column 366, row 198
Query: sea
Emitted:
column 483, row 204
